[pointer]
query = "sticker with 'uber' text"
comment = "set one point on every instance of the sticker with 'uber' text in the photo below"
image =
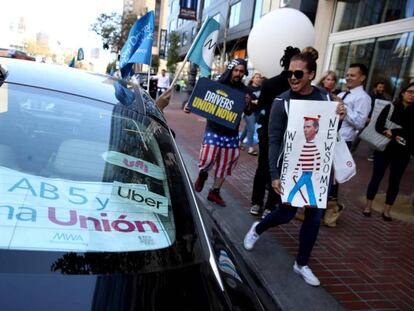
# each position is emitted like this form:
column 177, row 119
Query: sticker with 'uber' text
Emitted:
column 147, row 200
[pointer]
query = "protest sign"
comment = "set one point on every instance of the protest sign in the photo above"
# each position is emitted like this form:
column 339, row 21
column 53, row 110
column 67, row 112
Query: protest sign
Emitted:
column 39, row 213
column 308, row 151
column 217, row 102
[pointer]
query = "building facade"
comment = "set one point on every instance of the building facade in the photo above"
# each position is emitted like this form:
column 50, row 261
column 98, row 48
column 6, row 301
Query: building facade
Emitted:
column 236, row 17
column 378, row 33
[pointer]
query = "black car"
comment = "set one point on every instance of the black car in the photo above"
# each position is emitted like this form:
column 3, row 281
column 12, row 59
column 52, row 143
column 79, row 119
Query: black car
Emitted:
column 143, row 82
column 97, row 211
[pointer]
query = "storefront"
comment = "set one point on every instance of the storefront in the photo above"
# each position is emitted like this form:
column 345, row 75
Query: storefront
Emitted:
column 378, row 33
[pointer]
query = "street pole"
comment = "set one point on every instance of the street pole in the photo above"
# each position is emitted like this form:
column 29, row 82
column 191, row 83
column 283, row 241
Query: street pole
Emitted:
column 193, row 67
column 223, row 52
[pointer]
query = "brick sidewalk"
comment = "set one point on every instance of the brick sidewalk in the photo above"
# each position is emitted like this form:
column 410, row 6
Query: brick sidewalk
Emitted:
column 365, row 263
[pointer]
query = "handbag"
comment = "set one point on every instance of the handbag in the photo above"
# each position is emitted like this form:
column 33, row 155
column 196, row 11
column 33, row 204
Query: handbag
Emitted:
column 375, row 139
column 343, row 162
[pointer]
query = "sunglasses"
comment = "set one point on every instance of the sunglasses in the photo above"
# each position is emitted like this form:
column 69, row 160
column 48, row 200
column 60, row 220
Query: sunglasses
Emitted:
column 297, row 73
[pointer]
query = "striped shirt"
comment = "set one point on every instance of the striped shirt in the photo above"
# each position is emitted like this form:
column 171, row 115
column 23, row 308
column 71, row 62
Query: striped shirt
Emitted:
column 309, row 159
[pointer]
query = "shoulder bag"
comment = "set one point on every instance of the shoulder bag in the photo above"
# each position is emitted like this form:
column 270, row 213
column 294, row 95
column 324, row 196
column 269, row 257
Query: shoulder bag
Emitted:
column 375, row 139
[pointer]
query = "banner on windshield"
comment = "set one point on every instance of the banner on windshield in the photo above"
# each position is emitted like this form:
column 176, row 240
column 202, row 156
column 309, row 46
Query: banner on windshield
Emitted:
column 39, row 213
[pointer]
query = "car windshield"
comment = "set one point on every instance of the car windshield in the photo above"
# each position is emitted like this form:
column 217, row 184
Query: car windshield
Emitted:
column 79, row 175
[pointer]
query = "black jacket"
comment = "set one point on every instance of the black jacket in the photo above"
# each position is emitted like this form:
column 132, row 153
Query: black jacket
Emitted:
column 403, row 117
column 270, row 89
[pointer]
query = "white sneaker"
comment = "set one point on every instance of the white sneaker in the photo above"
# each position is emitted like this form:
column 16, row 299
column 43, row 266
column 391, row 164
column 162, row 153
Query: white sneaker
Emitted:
column 306, row 273
column 251, row 237
column 255, row 209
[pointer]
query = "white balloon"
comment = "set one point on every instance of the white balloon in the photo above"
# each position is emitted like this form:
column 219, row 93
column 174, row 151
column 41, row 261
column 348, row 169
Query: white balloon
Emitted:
column 273, row 33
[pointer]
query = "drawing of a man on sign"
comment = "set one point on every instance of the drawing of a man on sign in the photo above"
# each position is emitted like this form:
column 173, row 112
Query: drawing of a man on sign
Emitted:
column 308, row 152
column 308, row 163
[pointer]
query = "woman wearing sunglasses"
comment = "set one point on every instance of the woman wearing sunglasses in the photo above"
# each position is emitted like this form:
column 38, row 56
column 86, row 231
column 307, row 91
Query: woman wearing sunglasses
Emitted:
column 398, row 152
column 302, row 70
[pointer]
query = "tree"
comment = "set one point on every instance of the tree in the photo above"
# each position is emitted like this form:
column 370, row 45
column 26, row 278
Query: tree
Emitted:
column 34, row 48
column 114, row 29
column 111, row 67
column 173, row 56
column 155, row 62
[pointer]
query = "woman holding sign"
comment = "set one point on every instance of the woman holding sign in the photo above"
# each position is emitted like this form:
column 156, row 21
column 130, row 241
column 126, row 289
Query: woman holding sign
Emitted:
column 302, row 70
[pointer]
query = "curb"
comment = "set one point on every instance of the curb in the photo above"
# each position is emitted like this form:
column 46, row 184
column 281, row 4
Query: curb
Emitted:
column 269, row 262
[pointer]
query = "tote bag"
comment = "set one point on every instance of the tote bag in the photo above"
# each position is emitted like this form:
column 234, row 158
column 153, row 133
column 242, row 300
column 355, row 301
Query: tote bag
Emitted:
column 375, row 139
column 343, row 162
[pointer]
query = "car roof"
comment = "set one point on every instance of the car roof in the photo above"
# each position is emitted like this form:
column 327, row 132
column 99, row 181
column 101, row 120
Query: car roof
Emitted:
column 61, row 79
column 76, row 82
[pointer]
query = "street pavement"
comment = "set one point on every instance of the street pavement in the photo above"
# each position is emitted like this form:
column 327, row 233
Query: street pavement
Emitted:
column 363, row 263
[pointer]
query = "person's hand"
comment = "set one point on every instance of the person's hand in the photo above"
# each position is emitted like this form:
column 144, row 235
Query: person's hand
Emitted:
column 341, row 110
column 186, row 109
column 400, row 140
column 277, row 186
column 164, row 99
column 387, row 133
column 248, row 99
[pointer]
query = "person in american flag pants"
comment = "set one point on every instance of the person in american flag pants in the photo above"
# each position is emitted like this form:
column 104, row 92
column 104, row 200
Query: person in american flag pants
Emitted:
column 309, row 162
column 220, row 148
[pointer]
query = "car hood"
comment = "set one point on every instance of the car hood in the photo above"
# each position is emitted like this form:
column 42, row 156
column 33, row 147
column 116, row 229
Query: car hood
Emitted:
column 188, row 288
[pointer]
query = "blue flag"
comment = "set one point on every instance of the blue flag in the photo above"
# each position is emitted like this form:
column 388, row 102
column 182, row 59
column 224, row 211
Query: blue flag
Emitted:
column 81, row 55
column 72, row 62
column 138, row 47
column 202, row 50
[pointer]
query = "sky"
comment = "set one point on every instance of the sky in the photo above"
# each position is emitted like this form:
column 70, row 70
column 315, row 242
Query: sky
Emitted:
column 65, row 21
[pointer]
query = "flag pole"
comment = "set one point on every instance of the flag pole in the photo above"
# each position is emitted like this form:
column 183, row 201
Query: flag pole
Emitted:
column 149, row 74
column 188, row 52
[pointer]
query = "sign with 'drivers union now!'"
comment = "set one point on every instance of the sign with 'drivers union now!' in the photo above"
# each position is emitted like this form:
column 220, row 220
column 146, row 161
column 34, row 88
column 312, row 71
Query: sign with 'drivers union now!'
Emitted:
column 217, row 102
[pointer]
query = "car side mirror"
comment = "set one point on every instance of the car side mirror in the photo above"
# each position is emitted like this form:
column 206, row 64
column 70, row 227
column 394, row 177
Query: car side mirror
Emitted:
column 3, row 74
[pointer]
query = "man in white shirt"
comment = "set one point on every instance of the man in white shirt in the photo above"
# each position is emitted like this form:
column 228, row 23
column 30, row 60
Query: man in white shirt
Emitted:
column 163, row 82
column 358, row 106
column 357, row 102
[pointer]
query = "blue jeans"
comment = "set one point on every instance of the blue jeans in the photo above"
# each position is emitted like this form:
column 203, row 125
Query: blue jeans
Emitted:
column 304, row 180
column 249, row 129
column 308, row 231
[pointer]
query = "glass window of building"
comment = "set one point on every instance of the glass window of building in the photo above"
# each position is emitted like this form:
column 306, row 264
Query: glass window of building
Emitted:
column 207, row 3
column 234, row 19
column 217, row 17
column 284, row 3
column 185, row 38
column 173, row 25
column 193, row 33
column 355, row 14
column 388, row 58
column 257, row 11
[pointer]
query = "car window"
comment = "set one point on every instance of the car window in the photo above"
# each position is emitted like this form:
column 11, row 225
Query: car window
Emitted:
column 85, row 176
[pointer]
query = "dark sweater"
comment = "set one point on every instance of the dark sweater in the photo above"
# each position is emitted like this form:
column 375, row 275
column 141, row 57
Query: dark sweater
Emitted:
column 278, row 123
column 270, row 89
column 403, row 117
